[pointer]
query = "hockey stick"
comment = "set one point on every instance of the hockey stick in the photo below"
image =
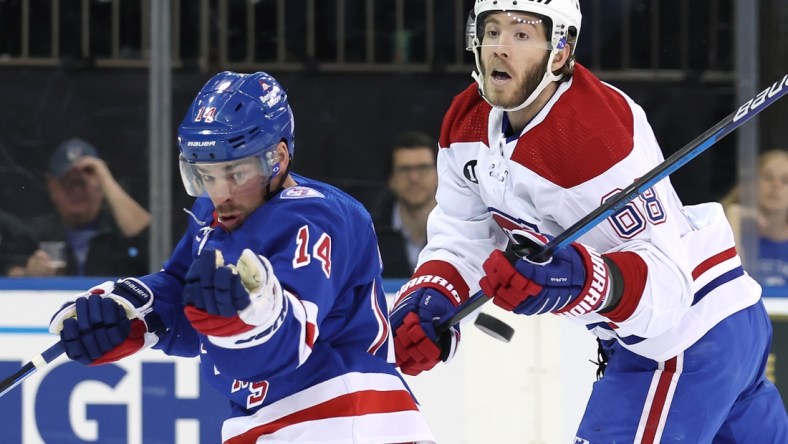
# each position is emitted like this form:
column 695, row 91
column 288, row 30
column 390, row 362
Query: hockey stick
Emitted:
column 35, row 364
column 745, row 112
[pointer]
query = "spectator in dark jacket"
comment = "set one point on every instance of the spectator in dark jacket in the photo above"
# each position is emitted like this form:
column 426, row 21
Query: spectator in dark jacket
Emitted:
column 104, row 230
column 400, row 215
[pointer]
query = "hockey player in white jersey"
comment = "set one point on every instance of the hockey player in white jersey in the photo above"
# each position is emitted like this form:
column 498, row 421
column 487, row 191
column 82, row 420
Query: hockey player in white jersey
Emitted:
column 275, row 286
column 534, row 145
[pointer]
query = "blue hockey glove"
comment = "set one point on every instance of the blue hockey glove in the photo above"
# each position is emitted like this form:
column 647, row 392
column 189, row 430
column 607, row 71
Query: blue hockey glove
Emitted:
column 413, row 318
column 108, row 322
column 227, row 300
column 574, row 281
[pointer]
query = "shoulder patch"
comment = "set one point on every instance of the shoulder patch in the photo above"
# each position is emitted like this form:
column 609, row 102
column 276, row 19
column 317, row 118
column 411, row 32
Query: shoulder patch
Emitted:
column 299, row 192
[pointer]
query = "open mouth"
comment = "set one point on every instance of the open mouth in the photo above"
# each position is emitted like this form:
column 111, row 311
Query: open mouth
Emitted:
column 499, row 76
column 229, row 220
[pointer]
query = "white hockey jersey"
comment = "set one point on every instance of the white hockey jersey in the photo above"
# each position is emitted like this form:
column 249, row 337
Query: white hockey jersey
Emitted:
column 680, row 268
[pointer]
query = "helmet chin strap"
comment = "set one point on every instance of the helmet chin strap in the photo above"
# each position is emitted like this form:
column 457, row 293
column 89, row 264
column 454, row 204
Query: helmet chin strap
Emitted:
column 546, row 79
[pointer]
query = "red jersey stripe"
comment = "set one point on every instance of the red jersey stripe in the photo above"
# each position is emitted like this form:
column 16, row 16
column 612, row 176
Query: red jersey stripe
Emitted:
column 352, row 404
column 383, row 325
column 712, row 261
column 658, row 404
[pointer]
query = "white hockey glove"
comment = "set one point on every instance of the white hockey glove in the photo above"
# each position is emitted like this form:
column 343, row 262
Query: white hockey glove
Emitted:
column 236, row 306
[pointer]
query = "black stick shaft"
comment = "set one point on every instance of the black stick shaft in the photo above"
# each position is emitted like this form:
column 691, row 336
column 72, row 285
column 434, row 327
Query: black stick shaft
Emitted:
column 31, row 367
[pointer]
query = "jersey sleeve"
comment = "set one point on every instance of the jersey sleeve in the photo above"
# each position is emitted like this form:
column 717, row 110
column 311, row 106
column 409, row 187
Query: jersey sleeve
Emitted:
column 180, row 339
column 460, row 229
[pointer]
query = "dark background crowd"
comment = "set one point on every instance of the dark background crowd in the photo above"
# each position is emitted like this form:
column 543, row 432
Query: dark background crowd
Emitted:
column 362, row 74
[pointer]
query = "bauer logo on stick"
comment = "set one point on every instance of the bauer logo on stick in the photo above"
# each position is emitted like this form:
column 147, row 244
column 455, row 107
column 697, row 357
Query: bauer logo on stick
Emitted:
column 767, row 93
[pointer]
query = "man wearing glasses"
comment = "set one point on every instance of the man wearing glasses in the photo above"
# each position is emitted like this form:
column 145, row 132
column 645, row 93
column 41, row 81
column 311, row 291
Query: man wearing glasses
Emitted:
column 401, row 214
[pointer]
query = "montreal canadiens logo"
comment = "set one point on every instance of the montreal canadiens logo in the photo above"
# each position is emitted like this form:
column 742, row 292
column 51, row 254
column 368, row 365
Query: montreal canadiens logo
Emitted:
column 509, row 223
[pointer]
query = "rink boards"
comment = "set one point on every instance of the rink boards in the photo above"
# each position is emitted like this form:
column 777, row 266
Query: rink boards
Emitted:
column 146, row 398
column 532, row 389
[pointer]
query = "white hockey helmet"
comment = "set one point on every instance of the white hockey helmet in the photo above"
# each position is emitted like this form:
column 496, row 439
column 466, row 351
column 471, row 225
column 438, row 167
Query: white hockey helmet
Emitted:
column 565, row 18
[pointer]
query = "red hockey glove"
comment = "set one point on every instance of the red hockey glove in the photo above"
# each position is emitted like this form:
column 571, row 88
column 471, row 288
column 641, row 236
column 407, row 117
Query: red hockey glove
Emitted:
column 416, row 344
column 574, row 281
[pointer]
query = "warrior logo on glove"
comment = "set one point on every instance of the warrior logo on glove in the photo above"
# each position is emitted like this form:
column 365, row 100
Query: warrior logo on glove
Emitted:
column 573, row 282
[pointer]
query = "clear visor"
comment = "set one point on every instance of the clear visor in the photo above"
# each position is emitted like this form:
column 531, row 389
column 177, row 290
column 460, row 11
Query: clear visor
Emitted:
column 225, row 179
column 506, row 29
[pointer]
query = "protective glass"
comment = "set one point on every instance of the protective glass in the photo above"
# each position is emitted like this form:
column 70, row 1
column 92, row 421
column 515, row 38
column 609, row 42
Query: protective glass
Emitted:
column 247, row 175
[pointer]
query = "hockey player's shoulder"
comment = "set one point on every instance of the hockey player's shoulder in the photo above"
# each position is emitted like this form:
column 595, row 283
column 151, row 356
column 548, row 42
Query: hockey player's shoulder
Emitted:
column 315, row 195
column 322, row 204
column 590, row 121
column 466, row 119
column 611, row 107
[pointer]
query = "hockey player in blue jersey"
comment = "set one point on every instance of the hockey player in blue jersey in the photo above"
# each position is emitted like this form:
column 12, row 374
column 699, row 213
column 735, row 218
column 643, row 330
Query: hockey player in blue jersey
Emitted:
column 275, row 286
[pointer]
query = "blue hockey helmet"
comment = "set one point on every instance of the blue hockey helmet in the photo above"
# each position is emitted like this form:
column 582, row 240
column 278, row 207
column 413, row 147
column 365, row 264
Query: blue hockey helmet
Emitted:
column 235, row 117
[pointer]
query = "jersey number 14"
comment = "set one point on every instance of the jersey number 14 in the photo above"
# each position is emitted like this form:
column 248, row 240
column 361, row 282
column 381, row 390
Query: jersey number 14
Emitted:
column 321, row 250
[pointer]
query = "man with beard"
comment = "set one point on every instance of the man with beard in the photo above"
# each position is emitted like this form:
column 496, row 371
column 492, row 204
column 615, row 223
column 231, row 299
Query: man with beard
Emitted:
column 400, row 215
column 275, row 286
column 536, row 144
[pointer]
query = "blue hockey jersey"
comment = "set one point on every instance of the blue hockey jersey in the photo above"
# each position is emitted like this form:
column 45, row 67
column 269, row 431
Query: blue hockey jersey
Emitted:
column 325, row 374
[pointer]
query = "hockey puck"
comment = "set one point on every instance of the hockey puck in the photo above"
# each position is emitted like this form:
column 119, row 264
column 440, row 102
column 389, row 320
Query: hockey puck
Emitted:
column 494, row 327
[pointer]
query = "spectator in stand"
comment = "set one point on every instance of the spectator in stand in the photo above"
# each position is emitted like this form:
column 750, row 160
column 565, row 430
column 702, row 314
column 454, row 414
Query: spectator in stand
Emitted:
column 17, row 245
column 400, row 216
column 771, row 218
column 103, row 230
